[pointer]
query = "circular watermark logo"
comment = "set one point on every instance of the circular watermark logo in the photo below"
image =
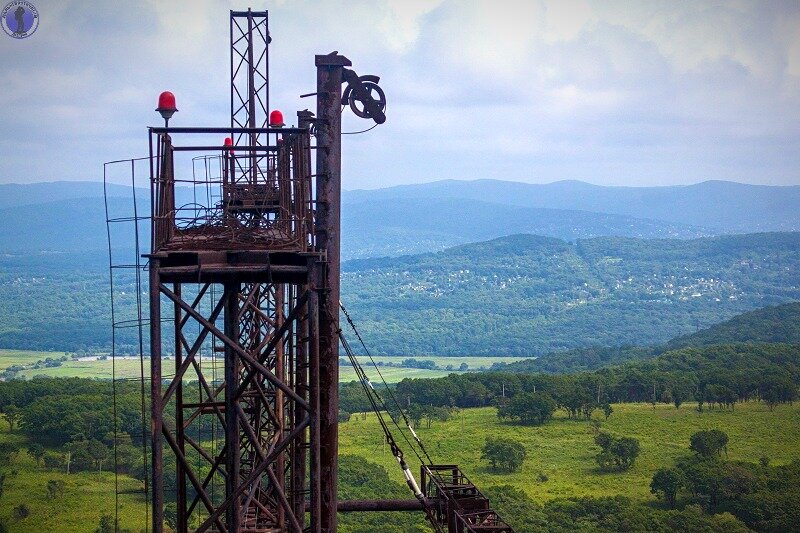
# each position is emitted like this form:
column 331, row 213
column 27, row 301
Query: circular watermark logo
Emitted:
column 19, row 19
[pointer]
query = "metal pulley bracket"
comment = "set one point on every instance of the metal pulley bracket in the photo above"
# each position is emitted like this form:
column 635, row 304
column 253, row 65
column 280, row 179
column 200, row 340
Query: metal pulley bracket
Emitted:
column 364, row 96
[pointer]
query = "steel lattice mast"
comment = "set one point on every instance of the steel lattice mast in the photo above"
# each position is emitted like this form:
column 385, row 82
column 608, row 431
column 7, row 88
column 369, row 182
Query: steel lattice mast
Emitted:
column 245, row 263
column 254, row 275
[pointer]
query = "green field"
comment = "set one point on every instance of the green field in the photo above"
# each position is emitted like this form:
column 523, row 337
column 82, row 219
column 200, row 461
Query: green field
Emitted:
column 130, row 368
column 86, row 497
column 562, row 449
column 23, row 357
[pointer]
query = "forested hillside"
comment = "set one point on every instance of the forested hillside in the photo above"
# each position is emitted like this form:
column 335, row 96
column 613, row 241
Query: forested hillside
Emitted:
column 520, row 295
column 771, row 324
column 528, row 295
column 721, row 375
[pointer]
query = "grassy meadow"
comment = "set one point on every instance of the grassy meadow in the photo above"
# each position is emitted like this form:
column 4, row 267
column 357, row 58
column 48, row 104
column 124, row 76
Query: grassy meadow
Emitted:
column 87, row 496
column 130, row 367
column 23, row 357
column 562, row 450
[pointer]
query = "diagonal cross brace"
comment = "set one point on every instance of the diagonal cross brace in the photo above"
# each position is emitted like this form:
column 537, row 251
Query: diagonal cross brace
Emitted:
column 233, row 345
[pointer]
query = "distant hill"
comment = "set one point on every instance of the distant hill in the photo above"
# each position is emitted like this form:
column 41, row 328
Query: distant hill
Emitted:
column 721, row 206
column 415, row 225
column 55, row 217
column 17, row 194
column 519, row 295
column 529, row 295
column 432, row 216
column 778, row 324
column 66, row 225
column 767, row 325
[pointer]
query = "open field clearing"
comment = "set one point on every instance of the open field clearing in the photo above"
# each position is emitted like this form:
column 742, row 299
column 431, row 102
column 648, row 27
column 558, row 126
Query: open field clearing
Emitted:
column 129, row 367
column 564, row 450
column 23, row 357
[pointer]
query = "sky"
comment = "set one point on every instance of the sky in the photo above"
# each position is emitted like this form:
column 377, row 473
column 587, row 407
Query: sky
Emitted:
column 613, row 92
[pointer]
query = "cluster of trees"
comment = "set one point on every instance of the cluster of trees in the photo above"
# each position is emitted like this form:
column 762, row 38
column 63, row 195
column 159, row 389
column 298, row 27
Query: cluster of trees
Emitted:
column 502, row 454
column 610, row 513
column 53, row 412
column 616, row 453
column 712, row 376
column 359, row 478
column 69, row 423
column 529, row 408
column 764, row 497
column 411, row 362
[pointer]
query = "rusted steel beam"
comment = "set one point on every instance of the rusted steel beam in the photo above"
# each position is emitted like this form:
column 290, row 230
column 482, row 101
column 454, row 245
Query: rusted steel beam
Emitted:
column 180, row 474
column 191, row 352
column 328, row 229
column 215, row 465
column 181, row 458
column 156, row 405
column 232, row 345
column 233, row 457
column 315, row 484
column 285, row 505
column 255, row 474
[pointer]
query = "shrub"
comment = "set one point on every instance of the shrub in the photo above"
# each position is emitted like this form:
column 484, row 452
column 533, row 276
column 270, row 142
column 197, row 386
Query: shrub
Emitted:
column 21, row 511
column 53, row 460
column 55, row 488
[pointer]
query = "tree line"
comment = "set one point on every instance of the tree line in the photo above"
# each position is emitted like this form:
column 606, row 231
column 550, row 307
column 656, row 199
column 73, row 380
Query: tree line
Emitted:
column 716, row 377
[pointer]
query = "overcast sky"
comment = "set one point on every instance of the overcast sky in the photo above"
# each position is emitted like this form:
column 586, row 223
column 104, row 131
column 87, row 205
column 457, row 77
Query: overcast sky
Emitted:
column 624, row 93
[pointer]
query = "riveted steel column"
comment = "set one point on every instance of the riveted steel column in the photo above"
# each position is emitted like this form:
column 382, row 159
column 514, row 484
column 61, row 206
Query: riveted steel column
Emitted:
column 233, row 456
column 156, row 404
column 328, row 226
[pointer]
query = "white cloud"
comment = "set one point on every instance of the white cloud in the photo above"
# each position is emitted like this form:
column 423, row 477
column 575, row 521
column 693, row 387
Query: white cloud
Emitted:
column 625, row 92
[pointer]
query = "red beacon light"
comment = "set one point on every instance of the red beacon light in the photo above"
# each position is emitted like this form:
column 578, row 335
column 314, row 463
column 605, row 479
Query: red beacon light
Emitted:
column 166, row 106
column 228, row 144
column 276, row 119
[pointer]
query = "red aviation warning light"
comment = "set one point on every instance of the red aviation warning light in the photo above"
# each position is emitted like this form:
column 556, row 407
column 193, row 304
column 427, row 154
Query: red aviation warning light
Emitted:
column 166, row 106
column 276, row 119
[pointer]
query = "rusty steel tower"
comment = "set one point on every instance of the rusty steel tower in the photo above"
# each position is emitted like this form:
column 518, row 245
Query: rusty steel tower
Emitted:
column 264, row 251
column 244, row 272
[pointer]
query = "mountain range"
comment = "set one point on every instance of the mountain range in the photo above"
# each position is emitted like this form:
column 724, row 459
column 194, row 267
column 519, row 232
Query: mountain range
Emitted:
column 70, row 216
